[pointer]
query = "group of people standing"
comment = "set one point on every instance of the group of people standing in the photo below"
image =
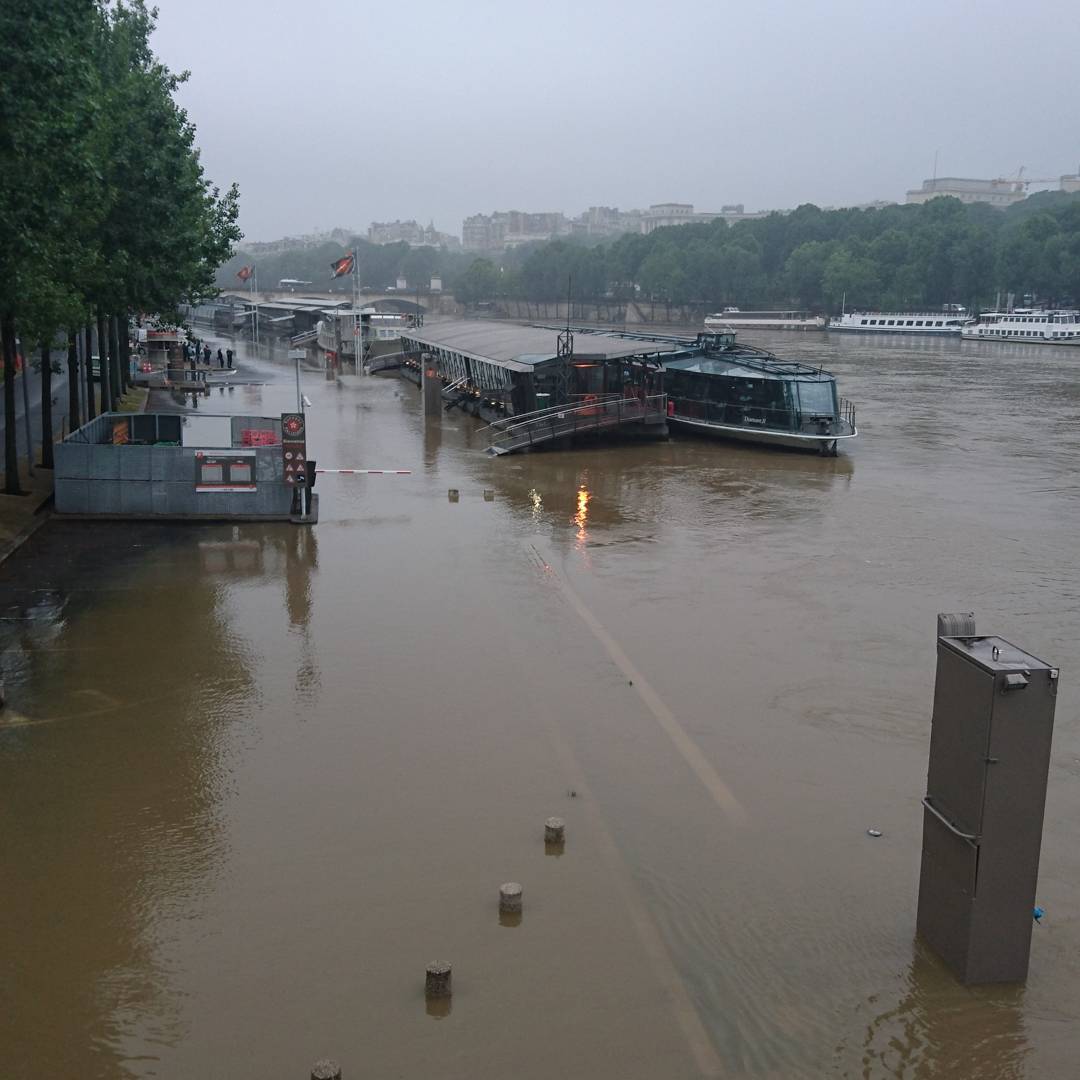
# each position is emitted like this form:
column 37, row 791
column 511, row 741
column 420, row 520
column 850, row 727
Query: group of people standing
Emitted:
column 195, row 350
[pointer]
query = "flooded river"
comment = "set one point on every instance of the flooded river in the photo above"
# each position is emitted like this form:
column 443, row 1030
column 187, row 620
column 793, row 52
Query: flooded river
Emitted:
column 254, row 778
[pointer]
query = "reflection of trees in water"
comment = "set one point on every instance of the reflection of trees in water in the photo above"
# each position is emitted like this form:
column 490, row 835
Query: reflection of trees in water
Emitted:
column 111, row 795
column 939, row 1028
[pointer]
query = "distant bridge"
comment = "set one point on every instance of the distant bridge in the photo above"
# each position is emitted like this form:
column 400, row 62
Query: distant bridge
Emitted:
column 403, row 302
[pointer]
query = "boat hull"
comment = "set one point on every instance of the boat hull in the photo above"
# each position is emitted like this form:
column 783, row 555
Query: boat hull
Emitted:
column 720, row 325
column 945, row 331
column 1039, row 340
column 790, row 440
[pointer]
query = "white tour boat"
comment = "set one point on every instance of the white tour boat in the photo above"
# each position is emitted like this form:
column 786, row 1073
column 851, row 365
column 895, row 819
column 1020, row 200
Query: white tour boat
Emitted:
column 1026, row 324
column 731, row 318
column 901, row 322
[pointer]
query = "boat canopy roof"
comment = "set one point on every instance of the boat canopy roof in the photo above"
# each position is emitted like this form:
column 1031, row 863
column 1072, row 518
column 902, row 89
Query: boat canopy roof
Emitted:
column 524, row 347
column 749, row 365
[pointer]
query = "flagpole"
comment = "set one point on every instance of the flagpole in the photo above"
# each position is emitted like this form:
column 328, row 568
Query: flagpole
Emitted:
column 358, row 332
column 254, row 288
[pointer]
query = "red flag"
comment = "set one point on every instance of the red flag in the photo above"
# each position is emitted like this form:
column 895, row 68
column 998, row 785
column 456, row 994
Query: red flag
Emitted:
column 343, row 265
column 245, row 272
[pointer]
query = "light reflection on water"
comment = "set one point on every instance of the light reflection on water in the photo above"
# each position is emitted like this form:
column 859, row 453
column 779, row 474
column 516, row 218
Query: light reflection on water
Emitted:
column 296, row 761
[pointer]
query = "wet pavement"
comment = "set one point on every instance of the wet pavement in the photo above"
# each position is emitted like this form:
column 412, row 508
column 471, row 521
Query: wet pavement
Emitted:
column 255, row 778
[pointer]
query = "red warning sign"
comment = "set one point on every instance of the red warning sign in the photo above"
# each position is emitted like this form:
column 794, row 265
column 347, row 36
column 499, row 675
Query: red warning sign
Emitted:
column 294, row 447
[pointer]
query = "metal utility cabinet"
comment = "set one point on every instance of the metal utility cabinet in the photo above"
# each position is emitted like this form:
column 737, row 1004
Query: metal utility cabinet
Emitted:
column 983, row 812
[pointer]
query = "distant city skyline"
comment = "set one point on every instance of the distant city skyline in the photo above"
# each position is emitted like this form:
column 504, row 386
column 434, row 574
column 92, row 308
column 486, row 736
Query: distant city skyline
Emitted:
column 502, row 229
column 325, row 118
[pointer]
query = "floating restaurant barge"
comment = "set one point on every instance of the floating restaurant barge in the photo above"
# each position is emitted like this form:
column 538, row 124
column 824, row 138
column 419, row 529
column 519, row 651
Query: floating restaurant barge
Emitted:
column 539, row 385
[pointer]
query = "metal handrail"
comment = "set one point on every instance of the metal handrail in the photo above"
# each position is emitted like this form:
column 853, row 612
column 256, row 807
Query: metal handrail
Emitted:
column 973, row 837
column 509, row 422
column 577, row 418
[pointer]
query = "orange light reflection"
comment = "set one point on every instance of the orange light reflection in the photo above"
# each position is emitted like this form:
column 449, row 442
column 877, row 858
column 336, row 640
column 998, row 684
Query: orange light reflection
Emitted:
column 582, row 515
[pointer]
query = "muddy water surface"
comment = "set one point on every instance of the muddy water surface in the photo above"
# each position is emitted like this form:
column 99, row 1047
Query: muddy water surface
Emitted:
column 253, row 778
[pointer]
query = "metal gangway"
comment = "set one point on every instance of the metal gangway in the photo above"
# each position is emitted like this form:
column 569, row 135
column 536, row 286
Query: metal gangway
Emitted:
column 385, row 362
column 565, row 421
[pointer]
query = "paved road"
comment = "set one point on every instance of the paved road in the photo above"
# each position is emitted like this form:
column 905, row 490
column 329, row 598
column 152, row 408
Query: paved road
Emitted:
column 33, row 391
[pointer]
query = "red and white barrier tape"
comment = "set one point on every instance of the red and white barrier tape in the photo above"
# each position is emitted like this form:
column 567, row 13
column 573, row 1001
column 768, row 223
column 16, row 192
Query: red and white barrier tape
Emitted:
column 368, row 472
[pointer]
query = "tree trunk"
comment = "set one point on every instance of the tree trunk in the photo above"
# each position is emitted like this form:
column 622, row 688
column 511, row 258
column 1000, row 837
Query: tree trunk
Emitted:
column 46, row 407
column 115, row 378
column 11, row 449
column 103, row 362
column 125, row 352
column 73, row 382
column 91, row 405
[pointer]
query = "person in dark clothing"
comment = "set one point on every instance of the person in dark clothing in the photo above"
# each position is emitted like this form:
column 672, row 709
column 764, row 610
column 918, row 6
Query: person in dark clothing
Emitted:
column 206, row 355
column 229, row 357
column 220, row 359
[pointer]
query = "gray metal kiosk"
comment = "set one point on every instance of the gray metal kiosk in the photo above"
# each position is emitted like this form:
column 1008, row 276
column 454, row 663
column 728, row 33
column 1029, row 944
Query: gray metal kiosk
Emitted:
column 983, row 811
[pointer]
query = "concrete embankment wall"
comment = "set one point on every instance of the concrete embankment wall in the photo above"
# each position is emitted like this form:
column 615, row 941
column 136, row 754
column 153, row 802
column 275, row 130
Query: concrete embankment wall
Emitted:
column 95, row 477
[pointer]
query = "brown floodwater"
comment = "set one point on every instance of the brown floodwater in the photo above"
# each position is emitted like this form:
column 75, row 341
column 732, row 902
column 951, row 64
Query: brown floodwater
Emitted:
column 254, row 778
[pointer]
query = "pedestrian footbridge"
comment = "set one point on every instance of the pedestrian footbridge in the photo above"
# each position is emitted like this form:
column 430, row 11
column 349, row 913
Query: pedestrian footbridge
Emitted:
column 608, row 413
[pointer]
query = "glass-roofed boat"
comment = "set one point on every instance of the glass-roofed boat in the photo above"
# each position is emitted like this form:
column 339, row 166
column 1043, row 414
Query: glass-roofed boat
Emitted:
column 736, row 391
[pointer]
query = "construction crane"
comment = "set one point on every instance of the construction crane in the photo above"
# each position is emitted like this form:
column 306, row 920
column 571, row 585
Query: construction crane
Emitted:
column 1019, row 182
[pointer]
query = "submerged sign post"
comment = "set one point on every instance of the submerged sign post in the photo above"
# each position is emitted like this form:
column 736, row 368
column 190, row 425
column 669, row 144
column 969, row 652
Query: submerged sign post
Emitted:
column 294, row 448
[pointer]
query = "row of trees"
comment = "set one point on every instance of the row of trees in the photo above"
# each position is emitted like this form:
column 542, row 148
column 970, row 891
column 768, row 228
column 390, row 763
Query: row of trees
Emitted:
column 895, row 257
column 900, row 257
column 104, row 208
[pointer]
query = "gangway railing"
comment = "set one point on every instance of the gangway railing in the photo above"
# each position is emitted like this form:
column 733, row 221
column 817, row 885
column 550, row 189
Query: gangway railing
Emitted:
column 560, row 422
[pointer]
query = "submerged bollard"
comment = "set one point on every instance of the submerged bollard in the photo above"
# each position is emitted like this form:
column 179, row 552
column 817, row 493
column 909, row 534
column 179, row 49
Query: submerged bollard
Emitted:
column 453, row 494
column 326, row 1070
column 510, row 898
column 554, row 830
column 437, row 982
column 489, row 495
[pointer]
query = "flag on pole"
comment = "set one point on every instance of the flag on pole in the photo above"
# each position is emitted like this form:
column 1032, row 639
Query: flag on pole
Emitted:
column 245, row 272
column 342, row 266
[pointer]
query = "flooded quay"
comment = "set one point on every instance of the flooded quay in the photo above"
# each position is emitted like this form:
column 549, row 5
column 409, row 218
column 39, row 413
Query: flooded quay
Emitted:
column 254, row 778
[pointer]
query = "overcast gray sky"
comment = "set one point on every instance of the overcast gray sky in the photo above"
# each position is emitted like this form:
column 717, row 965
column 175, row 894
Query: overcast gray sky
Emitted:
column 330, row 112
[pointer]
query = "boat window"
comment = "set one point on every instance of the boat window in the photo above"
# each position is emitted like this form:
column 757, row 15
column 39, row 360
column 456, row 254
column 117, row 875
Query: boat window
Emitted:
column 910, row 322
column 890, row 322
column 862, row 322
column 817, row 398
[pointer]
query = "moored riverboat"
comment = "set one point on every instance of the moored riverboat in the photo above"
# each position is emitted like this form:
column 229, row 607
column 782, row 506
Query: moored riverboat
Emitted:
column 1026, row 324
column 731, row 318
column 735, row 391
column 900, row 322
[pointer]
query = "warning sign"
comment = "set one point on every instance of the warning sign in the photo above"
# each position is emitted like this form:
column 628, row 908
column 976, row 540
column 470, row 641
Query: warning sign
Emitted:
column 294, row 447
